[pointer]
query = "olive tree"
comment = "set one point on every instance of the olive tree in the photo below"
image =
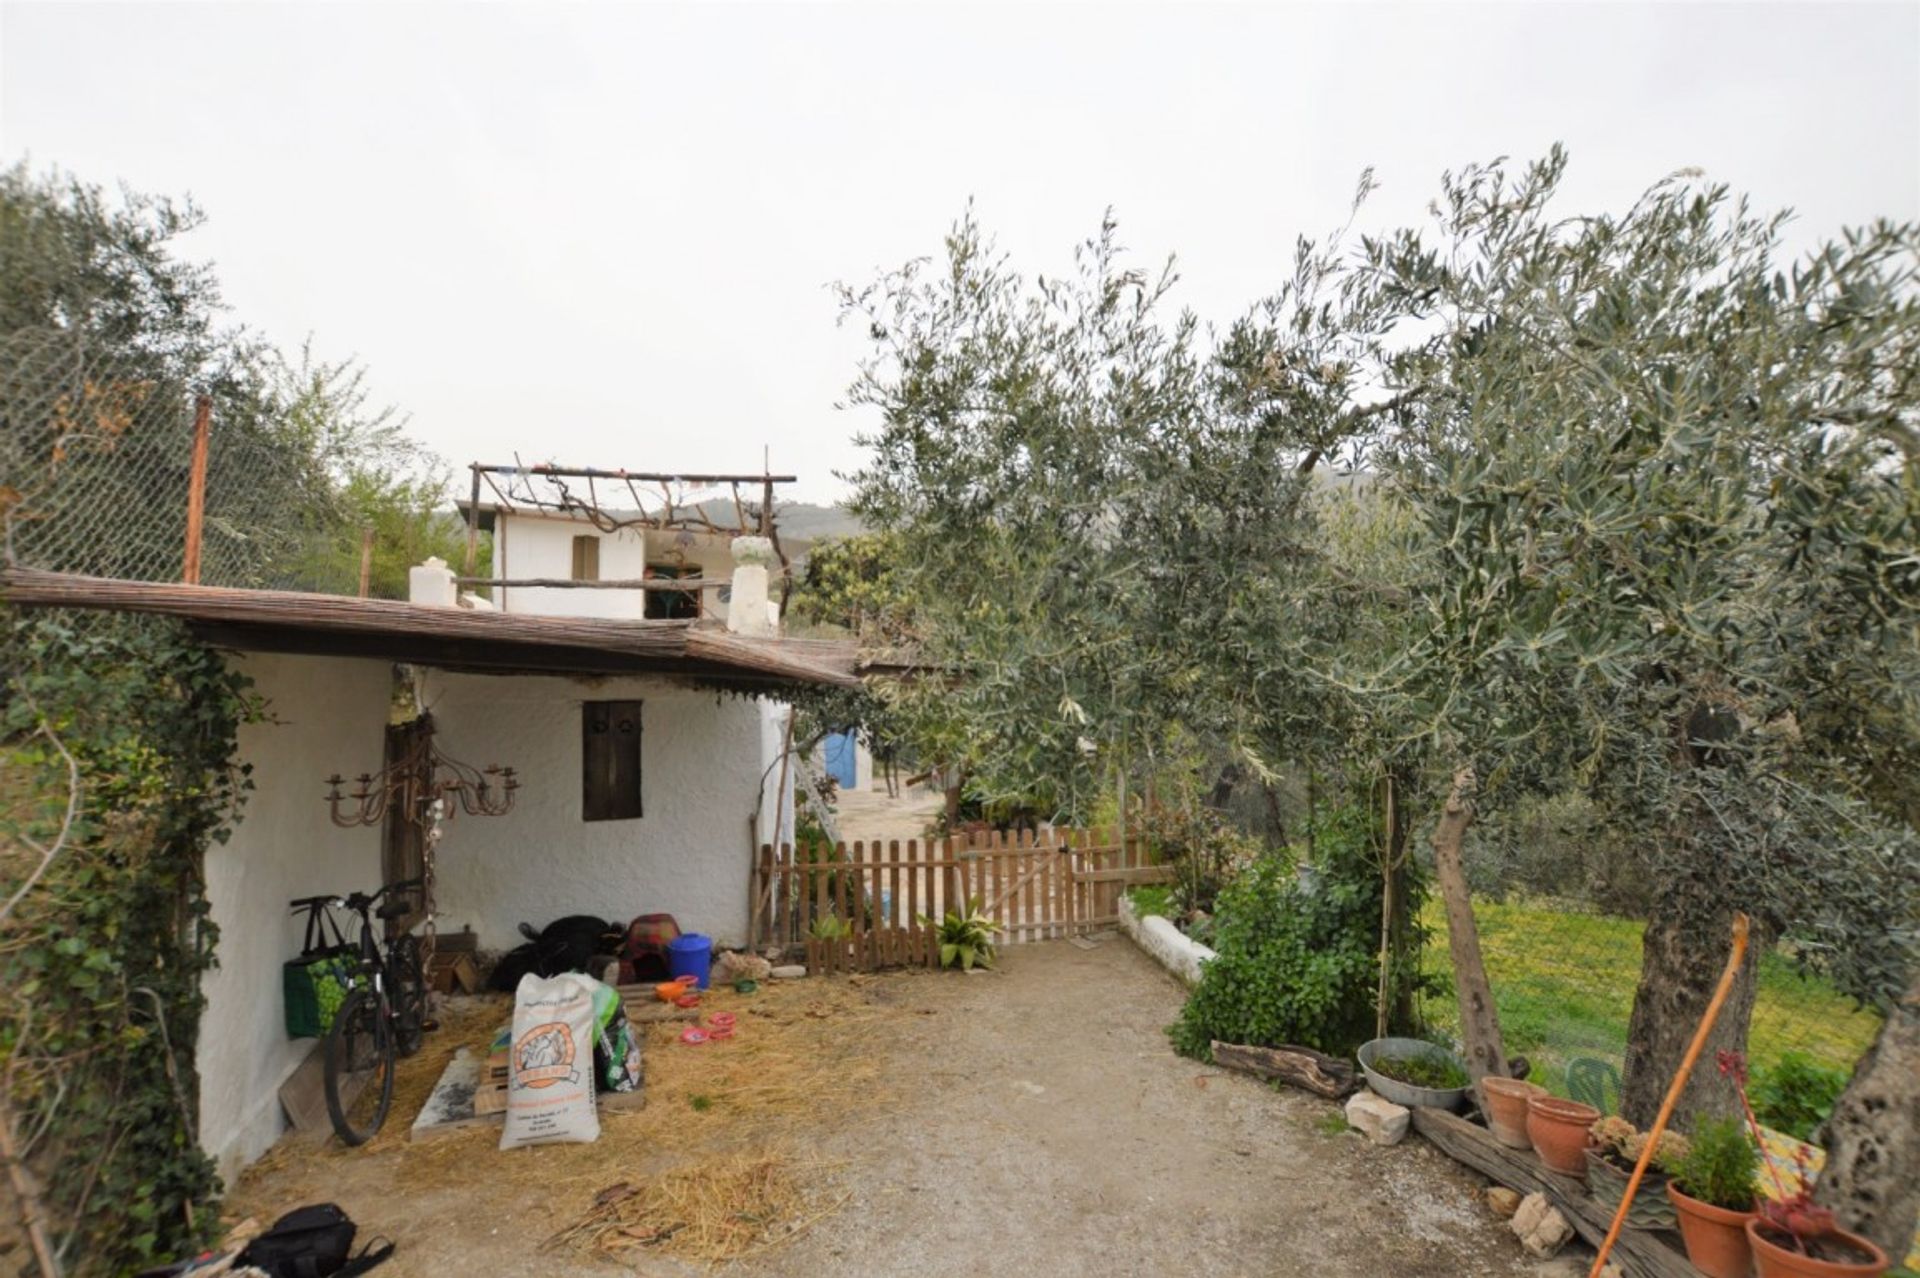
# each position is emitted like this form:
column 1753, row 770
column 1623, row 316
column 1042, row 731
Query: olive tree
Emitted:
column 1668, row 519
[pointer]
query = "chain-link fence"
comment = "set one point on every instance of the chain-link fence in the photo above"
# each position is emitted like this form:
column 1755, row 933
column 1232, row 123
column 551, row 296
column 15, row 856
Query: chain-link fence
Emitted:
column 1564, row 974
column 96, row 464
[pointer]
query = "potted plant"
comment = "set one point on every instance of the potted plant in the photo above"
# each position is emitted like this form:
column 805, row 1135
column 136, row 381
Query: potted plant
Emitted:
column 1558, row 1130
column 1796, row 1238
column 1713, row 1191
column 965, row 940
column 1506, row 1105
column 1613, row 1151
column 1412, row 1071
column 1791, row 1236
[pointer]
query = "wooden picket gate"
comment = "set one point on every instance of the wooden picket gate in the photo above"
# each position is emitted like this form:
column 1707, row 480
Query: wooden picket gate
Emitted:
column 860, row 907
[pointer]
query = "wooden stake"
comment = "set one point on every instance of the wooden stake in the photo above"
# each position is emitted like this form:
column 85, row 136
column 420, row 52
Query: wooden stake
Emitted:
column 1674, row 1089
column 1479, row 1021
column 197, row 489
column 366, row 562
column 473, row 523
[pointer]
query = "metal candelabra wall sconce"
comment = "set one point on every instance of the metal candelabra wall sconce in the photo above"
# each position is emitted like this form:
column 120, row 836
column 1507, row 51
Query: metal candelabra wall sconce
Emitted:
column 429, row 785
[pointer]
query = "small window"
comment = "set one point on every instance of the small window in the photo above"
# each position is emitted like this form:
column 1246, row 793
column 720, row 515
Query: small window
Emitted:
column 610, row 761
column 586, row 559
column 673, row 605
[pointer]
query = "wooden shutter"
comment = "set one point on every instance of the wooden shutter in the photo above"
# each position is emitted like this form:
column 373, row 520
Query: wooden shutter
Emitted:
column 610, row 760
column 586, row 559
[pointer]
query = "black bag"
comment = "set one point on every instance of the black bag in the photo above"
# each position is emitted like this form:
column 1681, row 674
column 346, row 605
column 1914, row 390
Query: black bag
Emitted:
column 312, row 1242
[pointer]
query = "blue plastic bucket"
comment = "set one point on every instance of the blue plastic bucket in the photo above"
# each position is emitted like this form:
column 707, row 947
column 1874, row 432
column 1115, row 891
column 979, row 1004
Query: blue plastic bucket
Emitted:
column 690, row 954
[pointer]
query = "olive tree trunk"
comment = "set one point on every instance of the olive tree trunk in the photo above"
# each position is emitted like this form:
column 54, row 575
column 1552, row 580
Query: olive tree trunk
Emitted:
column 1479, row 1022
column 1682, row 957
column 1872, row 1176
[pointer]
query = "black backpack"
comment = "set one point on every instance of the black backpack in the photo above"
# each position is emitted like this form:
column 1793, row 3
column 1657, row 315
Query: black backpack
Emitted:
column 312, row 1242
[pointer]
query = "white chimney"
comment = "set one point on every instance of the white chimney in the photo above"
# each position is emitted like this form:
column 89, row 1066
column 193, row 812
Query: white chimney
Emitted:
column 431, row 583
column 747, row 611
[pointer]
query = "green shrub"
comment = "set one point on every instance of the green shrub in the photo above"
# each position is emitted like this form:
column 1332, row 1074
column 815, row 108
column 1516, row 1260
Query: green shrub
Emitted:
column 1203, row 849
column 1298, row 953
column 1796, row 1094
column 1722, row 1167
column 1152, row 898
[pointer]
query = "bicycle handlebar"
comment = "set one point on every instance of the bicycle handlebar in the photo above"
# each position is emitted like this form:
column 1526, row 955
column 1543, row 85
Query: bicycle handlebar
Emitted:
column 357, row 901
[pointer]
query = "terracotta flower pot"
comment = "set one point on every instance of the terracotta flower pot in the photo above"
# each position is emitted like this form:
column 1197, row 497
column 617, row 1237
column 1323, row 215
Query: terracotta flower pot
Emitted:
column 1716, row 1238
column 1506, row 1100
column 1777, row 1260
column 1558, row 1130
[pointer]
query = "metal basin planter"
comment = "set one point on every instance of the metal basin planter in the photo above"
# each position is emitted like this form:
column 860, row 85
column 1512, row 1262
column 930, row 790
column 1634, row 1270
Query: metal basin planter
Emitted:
column 1447, row 1098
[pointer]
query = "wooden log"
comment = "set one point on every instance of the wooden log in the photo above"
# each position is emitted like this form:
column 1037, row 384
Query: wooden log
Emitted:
column 685, row 584
column 1641, row 1253
column 1301, row 1067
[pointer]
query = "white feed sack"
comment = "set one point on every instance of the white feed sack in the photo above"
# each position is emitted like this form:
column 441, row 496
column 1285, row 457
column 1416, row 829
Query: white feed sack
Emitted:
column 550, row 1066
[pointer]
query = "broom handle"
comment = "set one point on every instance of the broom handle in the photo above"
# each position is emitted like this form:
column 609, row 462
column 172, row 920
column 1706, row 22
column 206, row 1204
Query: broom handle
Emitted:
column 1674, row 1089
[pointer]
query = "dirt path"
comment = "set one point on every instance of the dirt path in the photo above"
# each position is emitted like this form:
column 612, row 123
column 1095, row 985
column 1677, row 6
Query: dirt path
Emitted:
column 873, row 814
column 1052, row 1131
column 1029, row 1121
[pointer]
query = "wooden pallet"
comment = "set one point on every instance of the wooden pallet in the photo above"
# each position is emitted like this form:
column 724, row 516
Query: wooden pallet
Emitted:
column 455, row 1105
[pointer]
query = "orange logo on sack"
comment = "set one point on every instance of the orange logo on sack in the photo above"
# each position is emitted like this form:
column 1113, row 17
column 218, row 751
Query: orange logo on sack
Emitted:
column 543, row 1056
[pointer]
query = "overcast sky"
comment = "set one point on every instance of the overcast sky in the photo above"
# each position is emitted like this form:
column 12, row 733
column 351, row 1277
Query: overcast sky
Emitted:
column 604, row 234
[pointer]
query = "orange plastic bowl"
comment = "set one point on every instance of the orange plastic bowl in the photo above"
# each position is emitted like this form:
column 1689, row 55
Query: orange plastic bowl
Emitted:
column 667, row 991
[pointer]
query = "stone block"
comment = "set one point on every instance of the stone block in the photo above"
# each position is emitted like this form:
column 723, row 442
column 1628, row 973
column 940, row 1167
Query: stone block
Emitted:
column 1384, row 1122
column 1541, row 1229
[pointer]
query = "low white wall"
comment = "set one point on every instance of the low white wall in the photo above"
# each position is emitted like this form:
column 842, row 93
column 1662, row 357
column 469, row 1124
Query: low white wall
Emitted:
column 700, row 766
column 326, row 715
column 1166, row 944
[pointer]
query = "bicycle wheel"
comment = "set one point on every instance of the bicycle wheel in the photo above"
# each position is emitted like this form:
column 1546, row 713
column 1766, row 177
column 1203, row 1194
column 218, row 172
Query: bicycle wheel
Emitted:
column 359, row 1066
column 408, row 984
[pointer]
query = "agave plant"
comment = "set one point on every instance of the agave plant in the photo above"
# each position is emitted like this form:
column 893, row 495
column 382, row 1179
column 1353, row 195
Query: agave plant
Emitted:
column 965, row 939
column 830, row 927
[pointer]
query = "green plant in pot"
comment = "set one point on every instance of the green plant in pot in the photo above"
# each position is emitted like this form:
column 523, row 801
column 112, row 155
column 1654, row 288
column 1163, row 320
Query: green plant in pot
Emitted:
column 965, row 940
column 1613, row 1150
column 1713, row 1192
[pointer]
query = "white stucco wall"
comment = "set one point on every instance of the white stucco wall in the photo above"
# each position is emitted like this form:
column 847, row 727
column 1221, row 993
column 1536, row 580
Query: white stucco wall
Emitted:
column 701, row 761
column 327, row 715
column 542, row 546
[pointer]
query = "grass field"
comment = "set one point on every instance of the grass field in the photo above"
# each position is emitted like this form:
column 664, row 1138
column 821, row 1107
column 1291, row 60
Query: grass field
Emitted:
column 1563, row 982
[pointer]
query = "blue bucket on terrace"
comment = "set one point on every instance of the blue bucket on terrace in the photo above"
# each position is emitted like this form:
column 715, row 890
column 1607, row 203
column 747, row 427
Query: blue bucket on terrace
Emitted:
column 691, row 954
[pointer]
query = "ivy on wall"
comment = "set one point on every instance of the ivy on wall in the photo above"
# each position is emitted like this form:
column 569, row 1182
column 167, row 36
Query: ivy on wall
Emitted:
column 117, row 742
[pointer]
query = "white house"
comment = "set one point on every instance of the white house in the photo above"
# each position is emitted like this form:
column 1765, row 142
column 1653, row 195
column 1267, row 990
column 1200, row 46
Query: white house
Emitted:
column 645, row 751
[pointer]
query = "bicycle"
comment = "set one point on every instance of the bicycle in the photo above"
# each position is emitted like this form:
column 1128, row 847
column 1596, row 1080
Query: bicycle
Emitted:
column 382, row 1018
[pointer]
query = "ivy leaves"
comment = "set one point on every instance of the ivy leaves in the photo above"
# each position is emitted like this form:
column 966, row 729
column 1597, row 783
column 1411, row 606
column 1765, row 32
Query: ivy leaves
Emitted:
column 102, row 958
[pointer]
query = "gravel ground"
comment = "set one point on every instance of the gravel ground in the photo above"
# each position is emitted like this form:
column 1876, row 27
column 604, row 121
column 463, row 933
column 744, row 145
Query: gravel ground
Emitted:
column 1055, row 1132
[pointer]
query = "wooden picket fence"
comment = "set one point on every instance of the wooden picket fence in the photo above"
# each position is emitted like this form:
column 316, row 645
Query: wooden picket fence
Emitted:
column 860, row 907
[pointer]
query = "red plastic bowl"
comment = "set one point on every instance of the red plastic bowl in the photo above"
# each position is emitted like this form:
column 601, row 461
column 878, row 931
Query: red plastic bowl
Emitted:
column 687, row 1000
